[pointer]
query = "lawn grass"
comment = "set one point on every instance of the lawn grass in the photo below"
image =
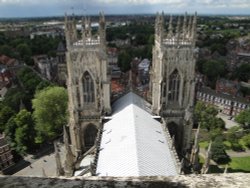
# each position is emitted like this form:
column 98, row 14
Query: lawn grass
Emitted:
column 203, row 144
column 239, row 164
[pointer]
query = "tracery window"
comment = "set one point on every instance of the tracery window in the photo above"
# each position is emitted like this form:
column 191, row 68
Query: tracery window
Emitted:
column 174, row 87
column 88, row 88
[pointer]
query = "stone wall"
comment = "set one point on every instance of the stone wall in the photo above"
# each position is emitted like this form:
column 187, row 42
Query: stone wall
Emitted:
column 209, row 180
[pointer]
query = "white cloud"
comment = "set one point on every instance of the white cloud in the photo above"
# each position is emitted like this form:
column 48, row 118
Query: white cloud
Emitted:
column 198, row 3
column 45, row 7
column 207, row 3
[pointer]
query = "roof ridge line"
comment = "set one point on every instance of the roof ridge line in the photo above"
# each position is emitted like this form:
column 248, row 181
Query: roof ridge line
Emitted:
column 136, row 144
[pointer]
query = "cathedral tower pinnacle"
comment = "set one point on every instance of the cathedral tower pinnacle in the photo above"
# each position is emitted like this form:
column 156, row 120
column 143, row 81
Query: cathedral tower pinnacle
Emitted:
column 88, row 85
column 172, row 81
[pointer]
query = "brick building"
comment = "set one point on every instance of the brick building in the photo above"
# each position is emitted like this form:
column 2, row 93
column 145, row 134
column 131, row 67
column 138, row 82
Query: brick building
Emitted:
column 6, row 158
column 227, row 104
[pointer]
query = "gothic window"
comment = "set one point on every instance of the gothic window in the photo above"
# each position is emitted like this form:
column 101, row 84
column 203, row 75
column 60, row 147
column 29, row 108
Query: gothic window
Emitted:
column 174, row 87
column 90, row 136
column 88, row 88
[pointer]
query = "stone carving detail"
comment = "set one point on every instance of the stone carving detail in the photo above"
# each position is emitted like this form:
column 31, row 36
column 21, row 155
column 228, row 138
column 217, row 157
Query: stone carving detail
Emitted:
column 87, row 93
column 73, row 56
column 177, row 49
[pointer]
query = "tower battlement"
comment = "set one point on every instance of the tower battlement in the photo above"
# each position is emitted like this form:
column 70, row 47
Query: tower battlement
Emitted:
column 86, row 39
column 184, row 34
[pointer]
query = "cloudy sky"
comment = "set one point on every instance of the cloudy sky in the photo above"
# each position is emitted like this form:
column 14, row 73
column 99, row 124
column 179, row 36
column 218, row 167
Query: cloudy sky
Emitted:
column 30, row 8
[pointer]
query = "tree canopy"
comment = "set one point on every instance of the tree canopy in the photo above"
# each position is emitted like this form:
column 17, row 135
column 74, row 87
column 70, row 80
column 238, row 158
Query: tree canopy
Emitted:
column 206, row 116
column 5, row 114
column 213, row 69
column 20, row 132
column 50, row 106
column 242, row 72
column 25, row 133
column 219, row 154
column 244, row 117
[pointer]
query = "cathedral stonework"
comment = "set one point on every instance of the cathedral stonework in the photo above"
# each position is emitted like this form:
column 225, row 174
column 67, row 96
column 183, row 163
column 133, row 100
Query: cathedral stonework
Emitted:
column 173, row 77
column 88, row 83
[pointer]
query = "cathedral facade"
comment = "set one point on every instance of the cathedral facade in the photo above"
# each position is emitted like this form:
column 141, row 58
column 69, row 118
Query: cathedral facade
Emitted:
column 88, row 83
column 173, row 77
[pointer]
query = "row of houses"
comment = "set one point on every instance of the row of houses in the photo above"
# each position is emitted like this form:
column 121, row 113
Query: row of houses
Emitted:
column 226, row 103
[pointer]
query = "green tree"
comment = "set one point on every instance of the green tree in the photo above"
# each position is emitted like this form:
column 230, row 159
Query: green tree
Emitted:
column 6, row 50
column 219, row 154
column 242, row 72
column 24, row 50
column 43, row 84
column 29, row 79
column 243, row 118
column 124, row 60
column 25, row 132
column 50, row 106
column 233, row 134
column 214, row 133
column 212, row 73
column 13, row 98
column 246, row 140
column 10, row 130
column 220, row 48
column 5, row 114
column 206, row 116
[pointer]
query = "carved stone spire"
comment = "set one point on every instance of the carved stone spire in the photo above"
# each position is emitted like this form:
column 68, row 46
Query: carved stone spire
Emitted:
column 67, row 34
column 189, row 28
column 69, row 161
column 83, row 33
column 177, row 32
column 157, row 24
column 162, row 23
column 70, row 31
column 195, row 151
column 205, row 167
column 226, row 169
column 196, row 140
column 88, row 32
column 102, row 29
column 170, row 27
column 194, row 28
column 59, row 168
column 184, row 26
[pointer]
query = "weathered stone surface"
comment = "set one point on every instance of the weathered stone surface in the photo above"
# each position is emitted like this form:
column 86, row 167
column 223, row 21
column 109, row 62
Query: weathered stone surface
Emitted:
column 209, row 180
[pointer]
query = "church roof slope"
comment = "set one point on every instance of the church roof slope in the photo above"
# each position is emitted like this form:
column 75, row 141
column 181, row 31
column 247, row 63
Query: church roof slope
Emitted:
column 133, row 143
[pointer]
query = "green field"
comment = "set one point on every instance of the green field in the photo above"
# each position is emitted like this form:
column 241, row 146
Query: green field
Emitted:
column 239, row 164
column 203, row 144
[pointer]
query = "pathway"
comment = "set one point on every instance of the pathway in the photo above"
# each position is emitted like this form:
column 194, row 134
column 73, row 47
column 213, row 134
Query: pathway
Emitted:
column 45, row 165
column 229, row 123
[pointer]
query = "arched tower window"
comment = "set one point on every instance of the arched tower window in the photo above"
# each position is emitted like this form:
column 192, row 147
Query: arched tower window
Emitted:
column 174, row 87
column 88, row 88
column 90, row 134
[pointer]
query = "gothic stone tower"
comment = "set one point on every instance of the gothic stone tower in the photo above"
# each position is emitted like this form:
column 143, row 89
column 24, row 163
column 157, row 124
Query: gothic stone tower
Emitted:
column 88, row 83
column 172, row 77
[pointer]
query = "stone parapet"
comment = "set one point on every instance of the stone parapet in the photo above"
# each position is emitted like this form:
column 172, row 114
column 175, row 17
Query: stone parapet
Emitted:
column 209, row 180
